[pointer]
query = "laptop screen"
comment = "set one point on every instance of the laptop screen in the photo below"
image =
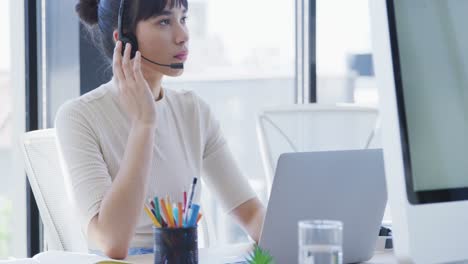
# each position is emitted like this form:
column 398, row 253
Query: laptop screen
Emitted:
column 429, row 41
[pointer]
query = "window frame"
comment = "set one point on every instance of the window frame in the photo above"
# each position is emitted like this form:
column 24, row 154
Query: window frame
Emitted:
column 34, row 227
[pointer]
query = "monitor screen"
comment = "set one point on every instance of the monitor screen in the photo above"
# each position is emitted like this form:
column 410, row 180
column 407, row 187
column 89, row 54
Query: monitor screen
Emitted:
column 429, row 41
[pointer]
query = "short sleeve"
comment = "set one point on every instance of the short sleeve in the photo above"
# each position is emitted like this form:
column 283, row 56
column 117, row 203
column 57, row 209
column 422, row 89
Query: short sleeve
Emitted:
column 86, row 175
column 221, row 172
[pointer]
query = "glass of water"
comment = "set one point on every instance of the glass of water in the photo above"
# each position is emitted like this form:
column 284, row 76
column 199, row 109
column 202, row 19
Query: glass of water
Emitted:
column 320, row 242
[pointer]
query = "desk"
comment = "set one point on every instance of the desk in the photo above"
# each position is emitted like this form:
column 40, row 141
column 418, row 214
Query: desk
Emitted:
column 232, row 253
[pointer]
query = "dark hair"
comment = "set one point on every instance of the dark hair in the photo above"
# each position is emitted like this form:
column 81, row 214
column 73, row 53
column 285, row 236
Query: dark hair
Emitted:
column 100, row 17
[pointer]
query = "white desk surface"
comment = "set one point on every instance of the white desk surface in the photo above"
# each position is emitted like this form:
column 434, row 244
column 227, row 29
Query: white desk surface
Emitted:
column 233, row 253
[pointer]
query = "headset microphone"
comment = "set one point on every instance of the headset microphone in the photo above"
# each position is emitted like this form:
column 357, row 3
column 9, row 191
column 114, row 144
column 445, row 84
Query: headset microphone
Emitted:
column 172, row 65
column 131, row 38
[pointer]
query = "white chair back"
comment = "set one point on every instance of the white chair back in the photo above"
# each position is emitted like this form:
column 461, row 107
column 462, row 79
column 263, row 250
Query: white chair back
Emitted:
column 314, row 127
column 61, row 230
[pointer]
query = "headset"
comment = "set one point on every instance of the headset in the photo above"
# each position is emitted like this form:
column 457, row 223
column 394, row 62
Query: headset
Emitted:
column 129, row 37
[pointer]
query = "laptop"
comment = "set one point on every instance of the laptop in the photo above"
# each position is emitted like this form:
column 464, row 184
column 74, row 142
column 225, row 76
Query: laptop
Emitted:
column 335, row 185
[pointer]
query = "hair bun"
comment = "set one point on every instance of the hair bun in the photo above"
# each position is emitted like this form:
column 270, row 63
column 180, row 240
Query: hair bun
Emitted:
column 88, row 11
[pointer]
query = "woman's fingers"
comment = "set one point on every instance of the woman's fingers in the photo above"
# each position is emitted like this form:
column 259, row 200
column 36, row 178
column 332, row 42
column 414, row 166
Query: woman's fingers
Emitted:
column 117, row 62
column 127, row 64
column 137, row 68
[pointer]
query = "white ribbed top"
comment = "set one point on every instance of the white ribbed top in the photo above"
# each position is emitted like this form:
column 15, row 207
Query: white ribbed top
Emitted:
column 92, row 133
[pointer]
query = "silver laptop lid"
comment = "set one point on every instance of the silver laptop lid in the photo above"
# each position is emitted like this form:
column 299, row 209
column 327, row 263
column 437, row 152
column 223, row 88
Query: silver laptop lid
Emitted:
column 336, row 185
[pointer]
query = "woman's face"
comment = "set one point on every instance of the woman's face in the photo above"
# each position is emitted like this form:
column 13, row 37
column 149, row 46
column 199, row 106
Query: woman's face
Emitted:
column 164, row 39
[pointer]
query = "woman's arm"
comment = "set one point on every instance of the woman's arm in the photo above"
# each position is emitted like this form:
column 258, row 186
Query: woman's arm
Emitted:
column 113, row 228
column 224, row 177
column 250, row 215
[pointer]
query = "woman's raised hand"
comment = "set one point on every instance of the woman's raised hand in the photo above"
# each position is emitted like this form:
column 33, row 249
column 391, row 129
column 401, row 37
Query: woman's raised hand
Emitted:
column 134, row 91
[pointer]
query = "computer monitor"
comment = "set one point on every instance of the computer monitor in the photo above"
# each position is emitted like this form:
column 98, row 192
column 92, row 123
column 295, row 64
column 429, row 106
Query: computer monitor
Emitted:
column 420, row 51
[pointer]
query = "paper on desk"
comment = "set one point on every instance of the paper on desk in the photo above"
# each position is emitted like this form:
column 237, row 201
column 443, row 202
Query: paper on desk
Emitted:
column 204, row 257
column 225, row 254
column 226, row 259
column 236, row 261
column 52, row 257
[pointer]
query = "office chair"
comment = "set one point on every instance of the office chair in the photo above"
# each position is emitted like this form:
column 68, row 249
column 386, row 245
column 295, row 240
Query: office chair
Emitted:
column 61, row 229
column 314, row 127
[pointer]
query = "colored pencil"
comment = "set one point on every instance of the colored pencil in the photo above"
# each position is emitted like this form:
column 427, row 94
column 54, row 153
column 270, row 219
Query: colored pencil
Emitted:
column 179, row 215
column 156, row 209
column 166, row 213
column 189, row 204
column 170, row 211
column 193, row 215
column 199, row 217
column 185, row 201
column 148, row 212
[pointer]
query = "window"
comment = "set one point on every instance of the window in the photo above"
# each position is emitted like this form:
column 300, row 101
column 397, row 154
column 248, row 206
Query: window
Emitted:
column 12, row 176
column 344, row 62
column 242, row 59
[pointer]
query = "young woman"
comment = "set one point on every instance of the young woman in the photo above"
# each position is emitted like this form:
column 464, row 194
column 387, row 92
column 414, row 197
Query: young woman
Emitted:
column 131, row 139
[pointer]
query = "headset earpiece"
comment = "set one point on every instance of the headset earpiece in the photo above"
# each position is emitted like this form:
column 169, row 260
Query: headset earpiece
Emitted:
column 129, row 38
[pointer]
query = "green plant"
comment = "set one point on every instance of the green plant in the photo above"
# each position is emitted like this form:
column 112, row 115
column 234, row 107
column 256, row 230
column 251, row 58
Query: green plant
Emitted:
column 259, row 256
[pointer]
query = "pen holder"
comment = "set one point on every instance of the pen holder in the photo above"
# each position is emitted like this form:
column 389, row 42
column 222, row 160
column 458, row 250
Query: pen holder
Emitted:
column 175, row 245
